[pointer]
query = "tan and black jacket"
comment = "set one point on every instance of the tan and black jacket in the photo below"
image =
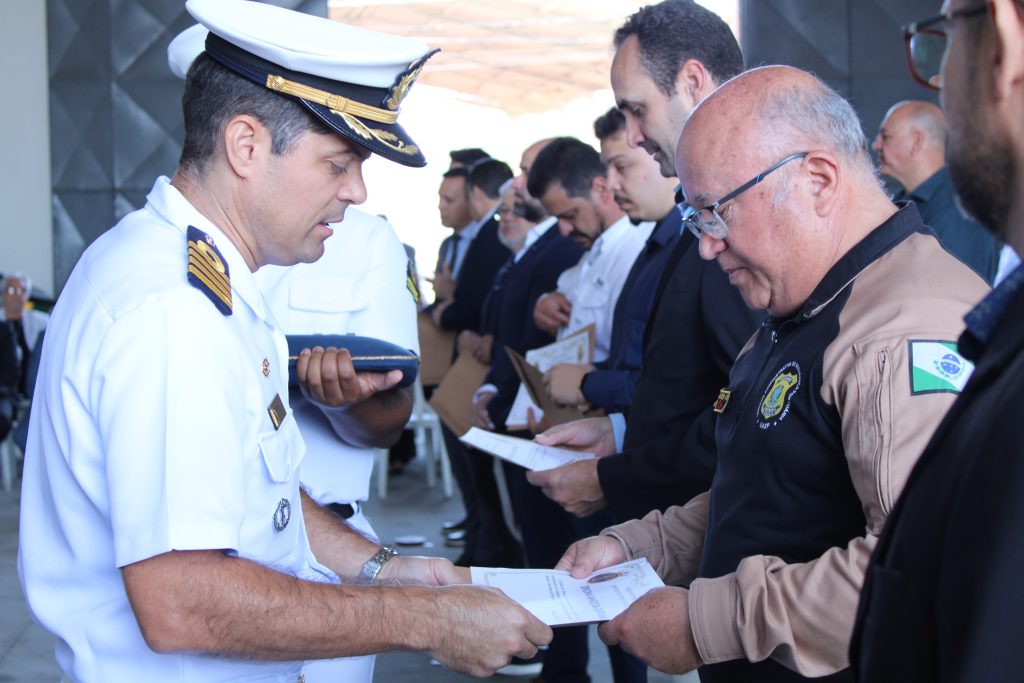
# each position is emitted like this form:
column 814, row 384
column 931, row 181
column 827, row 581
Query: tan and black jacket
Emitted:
column 827, row 412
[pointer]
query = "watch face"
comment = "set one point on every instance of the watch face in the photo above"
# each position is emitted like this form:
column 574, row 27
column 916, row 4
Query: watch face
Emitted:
column 373, row 565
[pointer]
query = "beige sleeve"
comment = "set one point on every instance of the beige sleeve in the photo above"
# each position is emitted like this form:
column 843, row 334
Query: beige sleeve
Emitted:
column 671, row 541
column 802, row 615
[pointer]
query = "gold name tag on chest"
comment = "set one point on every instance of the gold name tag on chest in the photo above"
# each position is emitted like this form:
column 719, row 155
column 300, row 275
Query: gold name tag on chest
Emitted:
column 277, row 411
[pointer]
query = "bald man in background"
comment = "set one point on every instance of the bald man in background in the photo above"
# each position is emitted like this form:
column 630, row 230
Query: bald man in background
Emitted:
column 911, row 147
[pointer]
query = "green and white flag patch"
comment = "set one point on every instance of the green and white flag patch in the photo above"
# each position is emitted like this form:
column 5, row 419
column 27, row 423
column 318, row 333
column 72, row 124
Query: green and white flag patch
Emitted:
column 937, row 366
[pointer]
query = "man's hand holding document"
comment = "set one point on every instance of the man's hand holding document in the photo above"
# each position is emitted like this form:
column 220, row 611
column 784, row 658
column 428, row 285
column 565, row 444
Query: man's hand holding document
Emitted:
column 558, row 599
column 522, row 452
column 575, row 348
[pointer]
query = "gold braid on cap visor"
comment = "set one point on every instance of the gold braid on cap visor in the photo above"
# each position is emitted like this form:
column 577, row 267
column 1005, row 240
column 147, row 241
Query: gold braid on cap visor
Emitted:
column 337, row 103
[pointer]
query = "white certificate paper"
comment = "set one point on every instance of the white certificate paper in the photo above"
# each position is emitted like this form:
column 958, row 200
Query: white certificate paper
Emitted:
column 522, row 452
column 577, row 347
column 557, row 599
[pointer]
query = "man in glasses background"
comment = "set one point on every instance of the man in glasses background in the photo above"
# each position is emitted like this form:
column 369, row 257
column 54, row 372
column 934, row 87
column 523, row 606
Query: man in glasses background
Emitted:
column 21, row 329
column 942, row 599
column 827, row 406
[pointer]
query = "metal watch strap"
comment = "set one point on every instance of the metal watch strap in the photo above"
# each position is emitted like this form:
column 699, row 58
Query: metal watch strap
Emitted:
column 372, row 567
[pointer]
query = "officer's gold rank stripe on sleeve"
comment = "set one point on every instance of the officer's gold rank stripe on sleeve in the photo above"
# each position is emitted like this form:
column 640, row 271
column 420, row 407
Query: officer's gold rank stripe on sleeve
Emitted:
column 207, row 270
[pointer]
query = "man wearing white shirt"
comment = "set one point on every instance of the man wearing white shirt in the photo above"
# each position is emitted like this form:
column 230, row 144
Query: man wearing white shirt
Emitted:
column 572, row 184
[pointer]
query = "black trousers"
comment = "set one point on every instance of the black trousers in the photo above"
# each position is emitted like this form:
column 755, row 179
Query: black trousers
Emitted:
column 488, row 540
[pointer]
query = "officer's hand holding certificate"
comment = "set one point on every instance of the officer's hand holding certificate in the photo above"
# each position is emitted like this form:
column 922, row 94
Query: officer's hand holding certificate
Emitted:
column 558, row 599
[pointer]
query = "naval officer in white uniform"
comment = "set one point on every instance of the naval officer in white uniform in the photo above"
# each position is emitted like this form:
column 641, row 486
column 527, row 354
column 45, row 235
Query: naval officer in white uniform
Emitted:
column 164, row 536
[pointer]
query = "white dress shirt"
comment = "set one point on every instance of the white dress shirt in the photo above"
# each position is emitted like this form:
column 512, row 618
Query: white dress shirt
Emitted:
column 593, row 285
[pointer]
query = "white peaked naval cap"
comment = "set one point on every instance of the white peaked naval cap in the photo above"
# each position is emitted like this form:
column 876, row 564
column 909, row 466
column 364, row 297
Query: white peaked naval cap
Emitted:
column 352, row 79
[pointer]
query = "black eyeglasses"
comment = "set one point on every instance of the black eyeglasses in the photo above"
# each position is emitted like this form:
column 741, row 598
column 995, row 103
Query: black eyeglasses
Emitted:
column 707, row 221
column 14, row 289
column 925, row 43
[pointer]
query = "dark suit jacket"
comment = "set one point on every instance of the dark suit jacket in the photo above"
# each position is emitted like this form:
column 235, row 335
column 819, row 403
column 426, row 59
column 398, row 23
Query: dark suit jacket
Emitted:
column 612, row 384
column 482, row 261
column 512, row 305
column 964, row 237
column 943, row 599
column 697, row 326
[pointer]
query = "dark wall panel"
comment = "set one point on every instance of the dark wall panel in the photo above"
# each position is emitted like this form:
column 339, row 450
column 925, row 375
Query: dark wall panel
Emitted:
column 854, row 45
column 115, row 111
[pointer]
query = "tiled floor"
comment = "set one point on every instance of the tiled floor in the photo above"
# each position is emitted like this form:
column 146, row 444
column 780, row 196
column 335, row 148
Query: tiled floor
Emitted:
column 26, row 650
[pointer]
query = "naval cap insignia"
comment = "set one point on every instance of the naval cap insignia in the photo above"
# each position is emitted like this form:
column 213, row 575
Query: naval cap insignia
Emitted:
column 398, row 91
column 282, row 515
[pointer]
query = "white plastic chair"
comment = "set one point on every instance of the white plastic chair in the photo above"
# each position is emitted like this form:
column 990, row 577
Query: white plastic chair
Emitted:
column 429, row 442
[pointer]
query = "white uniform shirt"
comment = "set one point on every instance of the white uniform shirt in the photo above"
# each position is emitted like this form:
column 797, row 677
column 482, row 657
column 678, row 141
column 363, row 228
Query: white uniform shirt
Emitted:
column 593, row 285
column 357, row 287
column 150, row 432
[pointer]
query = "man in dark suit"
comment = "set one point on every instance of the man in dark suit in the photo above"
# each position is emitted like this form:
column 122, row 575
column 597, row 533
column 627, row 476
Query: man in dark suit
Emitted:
column 454, row 208
column 531, row 272
column 698, row 322
column 474, row 272
column 483, row 258
column 942, row 600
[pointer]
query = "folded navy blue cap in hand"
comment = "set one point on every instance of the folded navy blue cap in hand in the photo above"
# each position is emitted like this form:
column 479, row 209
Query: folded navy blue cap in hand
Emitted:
column 368, row 354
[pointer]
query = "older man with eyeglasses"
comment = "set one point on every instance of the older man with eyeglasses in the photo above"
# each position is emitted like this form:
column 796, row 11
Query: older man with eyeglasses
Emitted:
column 826, row 408
column 942, row 598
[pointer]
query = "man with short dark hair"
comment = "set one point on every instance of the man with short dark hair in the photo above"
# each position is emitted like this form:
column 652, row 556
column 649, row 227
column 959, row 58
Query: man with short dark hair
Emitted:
column 942, row 598
column 461, row 158
column 483, row 188
column 572, row 184
column 826, row 408
column 467, row 260
column 911, row 145
column 453, row 248
column 668, row 57
column 164, row 534
column 663, row 449
column 453, row 207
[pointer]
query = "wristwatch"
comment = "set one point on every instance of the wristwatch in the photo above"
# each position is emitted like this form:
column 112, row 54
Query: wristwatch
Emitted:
column 372, row 567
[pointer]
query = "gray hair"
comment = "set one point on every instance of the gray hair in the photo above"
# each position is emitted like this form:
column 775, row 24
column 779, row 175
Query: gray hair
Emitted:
column 805, row 117
column 17, row 275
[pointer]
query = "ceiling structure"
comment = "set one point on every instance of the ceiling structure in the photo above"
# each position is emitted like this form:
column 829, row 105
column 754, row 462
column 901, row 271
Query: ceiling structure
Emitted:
column 520, row 56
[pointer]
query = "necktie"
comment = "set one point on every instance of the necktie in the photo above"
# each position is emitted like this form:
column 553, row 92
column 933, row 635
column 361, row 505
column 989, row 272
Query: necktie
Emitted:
column 453, row 253
column 19, row 333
